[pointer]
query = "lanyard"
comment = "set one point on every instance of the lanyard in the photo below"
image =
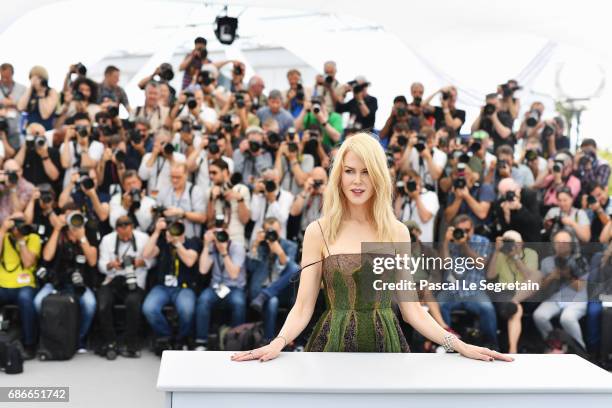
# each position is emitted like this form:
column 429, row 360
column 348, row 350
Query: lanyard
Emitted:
column 158, row 168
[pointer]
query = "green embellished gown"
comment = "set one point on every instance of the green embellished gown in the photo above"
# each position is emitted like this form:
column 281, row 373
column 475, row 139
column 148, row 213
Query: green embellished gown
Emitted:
column 357, row 318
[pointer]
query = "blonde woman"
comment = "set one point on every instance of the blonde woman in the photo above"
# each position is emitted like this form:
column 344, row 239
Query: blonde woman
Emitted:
column 356, row 208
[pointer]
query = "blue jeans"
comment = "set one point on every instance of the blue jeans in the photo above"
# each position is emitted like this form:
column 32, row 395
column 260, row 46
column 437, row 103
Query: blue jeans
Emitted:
column 87, row 304
column 259, row 273
column 24, row 298
column 183, row 300
column 479, row 304
column 593, row 337
column 236, row 300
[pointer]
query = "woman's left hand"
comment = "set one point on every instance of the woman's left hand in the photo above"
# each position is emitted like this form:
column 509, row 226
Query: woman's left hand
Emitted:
column 481, row 353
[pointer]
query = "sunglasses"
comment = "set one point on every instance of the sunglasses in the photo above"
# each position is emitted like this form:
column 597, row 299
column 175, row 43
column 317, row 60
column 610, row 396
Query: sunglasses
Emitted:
column 123, row 224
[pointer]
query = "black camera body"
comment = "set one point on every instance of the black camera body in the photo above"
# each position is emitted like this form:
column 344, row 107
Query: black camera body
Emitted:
column 135, row 196
column 239, row 100
column 591, row 200
column 531, row 155
column 509, row 196
column 317, row 183
column 176, row 228
column 420, row 144
column 270, row 186
column 489, row 109
column 459, row 182
column 82, row 131
column 446, row 96
column 221, row 235
column 271, row 235
column 273, row 137
column 411, row 186
column 168, row 149
column 292, row 147
column 507, row 246
column 23, row 228
column 458, row 234
column 558, row 166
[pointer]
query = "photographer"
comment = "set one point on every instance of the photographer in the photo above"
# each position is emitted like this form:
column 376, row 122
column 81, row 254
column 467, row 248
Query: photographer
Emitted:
column 495, row 121
column 295, row 96
column 270, row 200
column 240, row 104
column 532, row 123
column 139, row 142
column 512, row 262
column 308, row 204
column 193, row 107
column 590, row 168
column 598, row 207
column 506, row 167
column 162, row 75
column 424, row 158
column 40, row 162
column 122, row 262
column 315, row 113
column 71, row 258
column 111, row 167
column 255, row 89
column 553, row 139
column 39, row 100
column 461, row 242
column 15, row 191
column 80, row 97
column 132, row 201
column 533, row 159
column 183, row 200
column 231, row 200
column 469, row 197
column 327, row 86
column 186, row 136
column 176, row 275
column 79, row 149
column 416, row 203
column 40, row 211
column 156, row 114
column 250, row 159
column 19, row 253
column 192, row 63
column 565, row 216
column 204, row 153
column 446, row 114
column 226, row 259
column 82, row 191
column 11, row 93
column 275, row 111
column 560, row 174
column 508, row 102
column 362, row 108
column 292, row 164
column 566, row 272
column 517, row 209
column 400, row 115
column 110, row 90
column 155, row 166
column 271, row 266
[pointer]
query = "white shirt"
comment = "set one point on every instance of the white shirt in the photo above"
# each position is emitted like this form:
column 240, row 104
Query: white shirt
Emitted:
column 181, row 147
column 95, row 151
column 235, row 228
column 201, row 177
column 410, row 212
column 278, row 209
column 108, row 254
column 158, row 175
column 191, row 200
column 207, row 114
column 439, row 159
column 143, row 214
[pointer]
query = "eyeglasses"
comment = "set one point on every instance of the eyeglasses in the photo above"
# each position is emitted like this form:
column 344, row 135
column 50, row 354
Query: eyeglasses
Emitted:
column 123, row 224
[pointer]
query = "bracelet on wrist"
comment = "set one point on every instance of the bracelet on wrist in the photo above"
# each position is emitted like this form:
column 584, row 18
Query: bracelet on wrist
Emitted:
column 448, row 343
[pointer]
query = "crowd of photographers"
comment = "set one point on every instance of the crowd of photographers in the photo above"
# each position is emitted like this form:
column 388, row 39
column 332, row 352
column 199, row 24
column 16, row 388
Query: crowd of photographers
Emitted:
column 200, row 198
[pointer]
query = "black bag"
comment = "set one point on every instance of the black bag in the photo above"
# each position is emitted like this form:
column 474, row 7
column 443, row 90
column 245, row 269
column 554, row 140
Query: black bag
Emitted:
column 59, row 327
column 247, row 336
column 606, row 335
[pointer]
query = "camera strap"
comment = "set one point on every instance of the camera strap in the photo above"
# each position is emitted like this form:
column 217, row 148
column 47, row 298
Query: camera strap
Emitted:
column 267, row 204
column 159, row 165
column 219, row 261
column 118, row 242
column 20, row 264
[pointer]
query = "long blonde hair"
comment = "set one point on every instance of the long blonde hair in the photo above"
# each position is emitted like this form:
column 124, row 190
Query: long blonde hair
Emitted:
column 335, row 205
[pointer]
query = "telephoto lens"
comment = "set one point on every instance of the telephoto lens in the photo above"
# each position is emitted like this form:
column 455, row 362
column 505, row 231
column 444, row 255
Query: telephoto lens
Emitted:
column 510, row 196
column 458, row 234
column 270, row 186
column 316, row 108
column 557, row 166
column 40, row 141
column 130, row 274
column 271, row 235
column 135, row 196
column 420, row 145
column 213, row 148
column 507, row 246
column 219, row 220
column 292, row 147
column 29, row 141
column 168, row 149
column 176, row 229
column 120, row 156
column 82, row 131
column 75, row 220
column 411, row 186
column 221, row 236
column 87, row 182
column 254, row 146
column 459, row 182
column 135, row 136
column 489, row 109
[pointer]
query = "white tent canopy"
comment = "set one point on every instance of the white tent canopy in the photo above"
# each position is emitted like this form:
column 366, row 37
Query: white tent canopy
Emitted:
column 556, row 49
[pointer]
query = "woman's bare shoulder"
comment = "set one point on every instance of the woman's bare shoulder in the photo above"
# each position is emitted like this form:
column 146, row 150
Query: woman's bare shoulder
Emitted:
column 313, row 238
column 400, row 231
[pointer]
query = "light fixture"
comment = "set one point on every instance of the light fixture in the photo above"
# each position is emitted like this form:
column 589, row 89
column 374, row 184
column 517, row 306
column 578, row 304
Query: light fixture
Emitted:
column 225, row 28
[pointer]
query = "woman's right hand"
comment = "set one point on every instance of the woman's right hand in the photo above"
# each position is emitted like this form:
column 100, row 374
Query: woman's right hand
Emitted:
column 265, row 353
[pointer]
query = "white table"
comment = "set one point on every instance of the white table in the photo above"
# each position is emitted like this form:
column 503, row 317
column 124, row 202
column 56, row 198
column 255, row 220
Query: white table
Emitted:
column 296, row 380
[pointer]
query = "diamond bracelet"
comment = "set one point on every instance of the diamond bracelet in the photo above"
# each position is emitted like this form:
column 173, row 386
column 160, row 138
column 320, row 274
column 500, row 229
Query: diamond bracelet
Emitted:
column 448, row 342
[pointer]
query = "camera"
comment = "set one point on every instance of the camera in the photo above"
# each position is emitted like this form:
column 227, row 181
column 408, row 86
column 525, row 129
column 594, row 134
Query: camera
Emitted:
column 254, row 146
column 23, row 228
column 489, row 109
column 46, row 197
column 219, row 220
column 185, row 126
column 240, row 100
column 316, row 107
column 458, row 234
column 32, row 142
column 299, row 92
column 459, row 182
column 292, row 147
column 135, row 136
column 107, row 130
column 271, row 235
column 558, row 166
column 402, row 140
column 591, row 200
column 176, row 228
column 135, row 197
column 417, row 101
column 165, row 72
column 475, row 147
column 190, row 101
column 226, row 122
column 120, row 156
column 76, row 220
column 213, row 147
column 317, row 183
column 76, row 277
column 127, row 262
column 420, row 145
column 273, row 137
column 3, row 125
column 78, row 96
column 237, row 70
column 221, row 235
column 82, row 131
column 531, row 155
column 329, row 79
column 508, row 90
column 204, row 78
column 86, row 182
column 168, row 149
column 411, row 186
column 446, row 96
column 533, row 118
column 509, row 196
column 270, row 186
column 547, row 131
column 507, row 246
column 80, row 69
column 400, row 187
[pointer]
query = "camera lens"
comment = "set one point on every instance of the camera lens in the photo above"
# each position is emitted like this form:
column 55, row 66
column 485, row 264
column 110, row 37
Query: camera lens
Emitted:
column 120, row 156
column 271, row 235
column 82, row 131
column 458, row 234
column 411, row 186
column 87, row 182
column 40, row 141
column 270, row 186
column 176, row 229
column 254, row 146
column 76, row 220
column 213, row 148
column 292, row 147
column 221, row 236
column 46, row 197
column 168, row 149
column 135, row 136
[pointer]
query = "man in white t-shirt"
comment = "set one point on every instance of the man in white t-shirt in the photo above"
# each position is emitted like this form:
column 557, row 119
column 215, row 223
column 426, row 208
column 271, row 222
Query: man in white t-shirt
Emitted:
column 155, row 166
column 78, row 149
column 416, row 203
column 424, row 158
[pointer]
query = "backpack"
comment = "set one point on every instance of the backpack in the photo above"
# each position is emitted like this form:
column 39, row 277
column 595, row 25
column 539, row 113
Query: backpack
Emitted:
column 247, row 336
column 11, row 359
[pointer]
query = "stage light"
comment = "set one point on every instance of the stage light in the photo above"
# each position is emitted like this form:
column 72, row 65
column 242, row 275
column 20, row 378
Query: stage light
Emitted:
column 225, row 29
